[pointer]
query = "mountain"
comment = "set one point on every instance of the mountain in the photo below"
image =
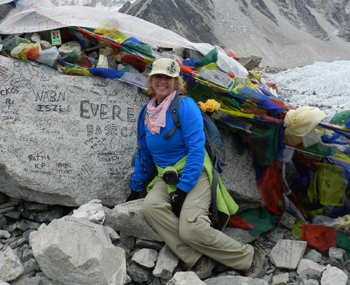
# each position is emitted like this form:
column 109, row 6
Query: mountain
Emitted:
column 191, row 19
column 285, row 33
column 5, row 9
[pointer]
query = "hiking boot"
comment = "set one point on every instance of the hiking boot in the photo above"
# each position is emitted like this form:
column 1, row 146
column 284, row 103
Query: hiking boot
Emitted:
column 256, row 270
column 204, row 266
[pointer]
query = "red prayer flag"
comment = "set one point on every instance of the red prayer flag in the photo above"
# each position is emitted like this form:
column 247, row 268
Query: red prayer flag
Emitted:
column 270, row 188
column 236, row 221
column 319, row 237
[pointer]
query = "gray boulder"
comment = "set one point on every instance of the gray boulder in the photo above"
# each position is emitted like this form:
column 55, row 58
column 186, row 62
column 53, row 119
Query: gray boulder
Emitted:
column 333, row 275
column 146, row 257
column 129, row 219
column 76, row 251
column 287, row 253
column 310, row 268
column 237, row 280
column 185, row 278
column 166, row 263
column 10, row 265
column 239, row 173
column 65, row 139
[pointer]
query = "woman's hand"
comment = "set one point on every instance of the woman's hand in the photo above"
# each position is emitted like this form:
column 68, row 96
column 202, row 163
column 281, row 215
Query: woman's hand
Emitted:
column 177, row 199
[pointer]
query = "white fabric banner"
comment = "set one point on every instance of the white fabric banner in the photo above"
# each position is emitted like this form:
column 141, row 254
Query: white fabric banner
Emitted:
column 35, row 16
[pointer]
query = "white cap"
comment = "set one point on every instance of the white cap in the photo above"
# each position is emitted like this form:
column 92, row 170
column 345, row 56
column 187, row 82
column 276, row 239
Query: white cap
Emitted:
column 165, row 66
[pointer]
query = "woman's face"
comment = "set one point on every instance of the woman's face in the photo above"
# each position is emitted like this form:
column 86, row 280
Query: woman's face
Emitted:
column 162, row 86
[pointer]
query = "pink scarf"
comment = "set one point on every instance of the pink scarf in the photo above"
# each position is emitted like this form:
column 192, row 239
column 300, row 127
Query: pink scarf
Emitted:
column 157, row 115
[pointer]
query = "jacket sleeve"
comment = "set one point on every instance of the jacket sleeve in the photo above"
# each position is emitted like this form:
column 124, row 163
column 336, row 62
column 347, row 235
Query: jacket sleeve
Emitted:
column 143, row 162
column 193, row 134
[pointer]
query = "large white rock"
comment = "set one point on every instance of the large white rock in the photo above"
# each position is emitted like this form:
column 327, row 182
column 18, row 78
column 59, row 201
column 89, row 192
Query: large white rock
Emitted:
column 239, row 173
column 280, row 279
column 146, row 257
column 185, row 278
column 167, row 261
column 129, row 219
column 334, row 275
column 65, row 139
column 236, row 280
column 75, row 251
column 10, row 265
column 287, row 253
column 310, row 268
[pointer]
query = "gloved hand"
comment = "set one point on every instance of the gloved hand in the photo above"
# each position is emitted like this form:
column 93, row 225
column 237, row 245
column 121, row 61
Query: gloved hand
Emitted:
column 133, row 196
column 177, row 200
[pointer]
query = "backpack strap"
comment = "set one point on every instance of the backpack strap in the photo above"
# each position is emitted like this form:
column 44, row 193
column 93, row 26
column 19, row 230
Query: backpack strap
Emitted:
column 214, row 206
column 144, row 133
column 143, row 120
column 174, row 110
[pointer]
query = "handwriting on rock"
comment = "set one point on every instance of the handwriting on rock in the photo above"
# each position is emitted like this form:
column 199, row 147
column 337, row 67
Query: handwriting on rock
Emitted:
column 94, row 142
column 9, row 91
column 111, row 130
column 52, row 108
column 9, row 112
column 38, row 160
column 106, row 111
column 3, row 70
column 18, row 82
column 25, row 138
column 50, row 96
column 9, row 102
column 9, row 116
column 86, row 170
column 118, row 173
column 64, row 168
column 108, row 156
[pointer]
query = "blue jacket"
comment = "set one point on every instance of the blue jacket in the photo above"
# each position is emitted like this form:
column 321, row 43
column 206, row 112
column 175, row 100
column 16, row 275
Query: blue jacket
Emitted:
column 189, row 140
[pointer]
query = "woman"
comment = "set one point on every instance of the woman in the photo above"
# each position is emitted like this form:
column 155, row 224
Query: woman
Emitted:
column 180, row 212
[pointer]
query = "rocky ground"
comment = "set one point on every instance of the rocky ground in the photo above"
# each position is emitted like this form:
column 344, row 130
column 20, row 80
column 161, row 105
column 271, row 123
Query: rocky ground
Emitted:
column 143, row 258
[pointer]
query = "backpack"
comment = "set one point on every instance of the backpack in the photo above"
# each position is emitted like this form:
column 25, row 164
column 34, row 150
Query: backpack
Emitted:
column 213, row 146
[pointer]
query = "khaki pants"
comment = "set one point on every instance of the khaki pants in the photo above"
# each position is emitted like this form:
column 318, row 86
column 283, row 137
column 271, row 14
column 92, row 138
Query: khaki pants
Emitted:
column 191, row 235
